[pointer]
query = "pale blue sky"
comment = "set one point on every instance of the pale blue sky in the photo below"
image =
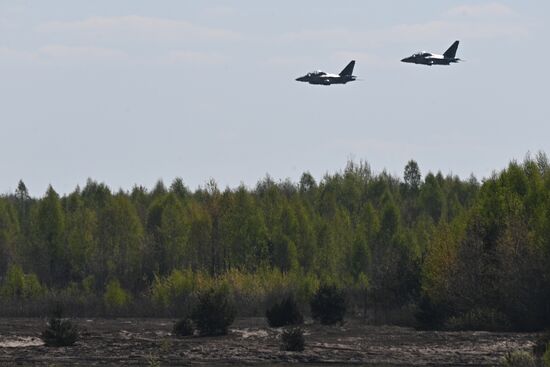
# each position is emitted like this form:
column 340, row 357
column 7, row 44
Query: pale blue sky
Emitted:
column 129, row 92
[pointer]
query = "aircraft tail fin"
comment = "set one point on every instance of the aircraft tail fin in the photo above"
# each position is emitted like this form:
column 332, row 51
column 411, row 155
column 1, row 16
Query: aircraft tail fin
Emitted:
column 451, row 52
column 348, row 70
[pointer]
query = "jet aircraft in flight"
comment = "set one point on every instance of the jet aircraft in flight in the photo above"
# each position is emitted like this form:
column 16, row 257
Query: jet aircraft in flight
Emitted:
column 427, row 58
column 320, row 77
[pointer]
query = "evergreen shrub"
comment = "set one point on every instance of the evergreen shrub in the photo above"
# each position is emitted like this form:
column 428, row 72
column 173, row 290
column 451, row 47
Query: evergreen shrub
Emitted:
column 283, row 313
column 328, row 305
column 518, row 358
column 546, row 357
column 430, row 315
column 293, row 340
column 60, row 332
column 541, row 344
column 183, row 327
column 214, row 312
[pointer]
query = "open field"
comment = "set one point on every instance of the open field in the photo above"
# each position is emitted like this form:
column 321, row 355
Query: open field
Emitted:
column 252, row 342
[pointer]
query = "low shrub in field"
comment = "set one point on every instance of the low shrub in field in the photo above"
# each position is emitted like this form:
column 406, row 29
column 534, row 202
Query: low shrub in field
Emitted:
column 183, row 327
column 430, row 315
column 328, row 305
column 518, row 358
column 292, row 340
column 541, row 344
column 546, row 357
column 60, row 332
column 283, row 313
column 479, row 319
column 214, row 312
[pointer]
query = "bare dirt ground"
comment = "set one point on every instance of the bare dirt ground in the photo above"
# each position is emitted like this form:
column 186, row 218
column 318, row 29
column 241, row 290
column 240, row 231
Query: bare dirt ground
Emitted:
column 133, row 342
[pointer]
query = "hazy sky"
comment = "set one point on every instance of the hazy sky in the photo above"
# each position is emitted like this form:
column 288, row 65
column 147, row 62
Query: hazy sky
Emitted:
column 129, row 92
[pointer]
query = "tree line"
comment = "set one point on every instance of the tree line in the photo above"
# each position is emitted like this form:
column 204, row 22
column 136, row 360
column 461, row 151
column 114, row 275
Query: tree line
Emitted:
column 456, row 252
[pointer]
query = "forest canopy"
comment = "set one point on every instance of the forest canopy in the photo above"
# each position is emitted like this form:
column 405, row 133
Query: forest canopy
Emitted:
column 458, row 252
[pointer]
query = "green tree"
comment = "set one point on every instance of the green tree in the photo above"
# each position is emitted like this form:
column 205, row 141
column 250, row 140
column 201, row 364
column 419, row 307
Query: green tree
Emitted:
column 412, row 176
column 174, row 234
column 121, row 243
column 52, row 261
column 9, row 235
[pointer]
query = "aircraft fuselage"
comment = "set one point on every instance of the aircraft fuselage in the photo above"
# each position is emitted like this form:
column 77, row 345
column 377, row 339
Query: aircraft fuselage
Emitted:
column 322, row 78
column 430, row 59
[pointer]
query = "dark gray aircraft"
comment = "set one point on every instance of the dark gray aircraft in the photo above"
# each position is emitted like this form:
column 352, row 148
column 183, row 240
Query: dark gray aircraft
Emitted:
column 426, row 58
column 322, row 78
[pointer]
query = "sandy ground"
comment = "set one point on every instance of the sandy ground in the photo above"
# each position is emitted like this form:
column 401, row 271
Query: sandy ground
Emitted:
column 133, row 342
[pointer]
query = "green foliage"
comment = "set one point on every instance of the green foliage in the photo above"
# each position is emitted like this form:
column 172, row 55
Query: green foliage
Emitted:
column 152, row 360
column 479, row 319
column 9, row 233
column 183, row 327
column 495, row 255
column 412, row 176
column 546, row 356
column 173, row 292
column 214, row 312
column 284, row 312
column 60, row 332
column 121, row 240
column 115, row 297
column 292, row 340
column 541, row 344
column 49, row 256
column 328, row 305
column 17, row 284
column 518, row 358
column 448, row 246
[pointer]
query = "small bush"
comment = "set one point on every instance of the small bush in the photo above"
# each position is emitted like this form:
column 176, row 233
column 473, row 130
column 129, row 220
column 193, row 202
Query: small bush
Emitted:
column 430, row 315
column 328, row 305
column 115, row 297
column 60, row 332
column 546, row 357
column 541, row 344
column 214, row 312
column 292, row 340
column 183, row 327
column 283, row 313
column 518, row 358
column 479, row 319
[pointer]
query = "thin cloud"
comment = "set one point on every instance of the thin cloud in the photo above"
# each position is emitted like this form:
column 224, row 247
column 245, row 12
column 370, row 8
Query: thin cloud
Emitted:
column 433, row 30
column 13, row 55
column 286, row 61
column 364, row 58
column 445, row 29
column 194, row 57
column 482, row 10
column 68, row 53
column 220, row 11
column 62, row 54
column 136, row 26
column 326, row 35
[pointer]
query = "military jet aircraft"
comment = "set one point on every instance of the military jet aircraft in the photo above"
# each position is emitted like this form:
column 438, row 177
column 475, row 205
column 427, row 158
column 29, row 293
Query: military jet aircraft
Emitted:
column 320, row 77
column 427, row 58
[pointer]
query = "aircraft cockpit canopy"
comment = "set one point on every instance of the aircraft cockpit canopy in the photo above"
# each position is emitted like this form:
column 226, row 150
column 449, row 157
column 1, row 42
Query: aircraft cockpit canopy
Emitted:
column 422, row 54
column 315, row 73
